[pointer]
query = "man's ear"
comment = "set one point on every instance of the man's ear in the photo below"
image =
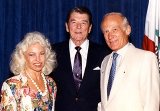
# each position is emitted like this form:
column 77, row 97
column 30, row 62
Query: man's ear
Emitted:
column 67, row 29
column 128, row 30
column 90, row 28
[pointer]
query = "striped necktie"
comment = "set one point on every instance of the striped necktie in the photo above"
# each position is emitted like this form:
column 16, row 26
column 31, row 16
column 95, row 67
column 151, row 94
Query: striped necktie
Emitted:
column 112, row 73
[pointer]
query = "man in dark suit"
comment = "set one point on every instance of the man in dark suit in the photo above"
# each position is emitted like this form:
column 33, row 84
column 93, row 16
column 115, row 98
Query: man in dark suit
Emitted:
column 87, row 95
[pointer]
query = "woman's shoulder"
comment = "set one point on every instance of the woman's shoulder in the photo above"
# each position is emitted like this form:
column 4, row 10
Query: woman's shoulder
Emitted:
column 13, row 79
column 18, row 79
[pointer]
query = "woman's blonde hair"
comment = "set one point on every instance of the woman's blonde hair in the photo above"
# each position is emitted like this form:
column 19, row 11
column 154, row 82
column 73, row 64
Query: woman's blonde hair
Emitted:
column 17, row 63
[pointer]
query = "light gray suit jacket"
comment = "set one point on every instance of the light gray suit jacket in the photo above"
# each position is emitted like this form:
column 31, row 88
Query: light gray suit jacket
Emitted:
column 136, row 85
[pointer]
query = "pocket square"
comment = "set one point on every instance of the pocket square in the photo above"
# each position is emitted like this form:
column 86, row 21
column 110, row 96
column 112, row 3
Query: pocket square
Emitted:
column 97, row 68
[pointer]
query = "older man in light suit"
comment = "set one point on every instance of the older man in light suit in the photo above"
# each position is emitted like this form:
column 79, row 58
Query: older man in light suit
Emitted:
column 135, row 85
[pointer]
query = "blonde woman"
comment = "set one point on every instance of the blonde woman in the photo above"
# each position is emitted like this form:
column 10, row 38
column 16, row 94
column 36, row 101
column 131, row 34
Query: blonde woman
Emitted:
column 30, row 89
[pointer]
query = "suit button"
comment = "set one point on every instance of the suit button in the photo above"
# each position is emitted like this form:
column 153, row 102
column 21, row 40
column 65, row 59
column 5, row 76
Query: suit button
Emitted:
column 76, row 99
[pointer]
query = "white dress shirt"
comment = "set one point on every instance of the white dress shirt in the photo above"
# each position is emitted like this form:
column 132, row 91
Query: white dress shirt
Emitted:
column 83, row 52
column 121, row 54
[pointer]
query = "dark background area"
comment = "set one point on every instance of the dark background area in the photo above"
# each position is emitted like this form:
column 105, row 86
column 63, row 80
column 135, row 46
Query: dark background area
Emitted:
column 18, row 17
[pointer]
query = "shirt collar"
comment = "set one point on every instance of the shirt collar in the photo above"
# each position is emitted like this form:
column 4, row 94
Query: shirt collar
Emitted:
column 84, row 46
column 122, row 51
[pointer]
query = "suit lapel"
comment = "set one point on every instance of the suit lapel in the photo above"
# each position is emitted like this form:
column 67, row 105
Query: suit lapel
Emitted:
column 90, row 57
column 118, row 81
column 121, row 74
column 67, row 58
column 68, row 67
column 105, row 68
column 88, row 66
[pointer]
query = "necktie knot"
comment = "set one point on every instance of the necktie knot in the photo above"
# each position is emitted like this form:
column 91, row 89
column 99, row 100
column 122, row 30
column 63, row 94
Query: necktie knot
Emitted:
column 78, row 48
column 115, row 55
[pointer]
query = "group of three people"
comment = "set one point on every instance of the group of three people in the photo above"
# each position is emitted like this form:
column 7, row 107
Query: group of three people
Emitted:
column 135, row 86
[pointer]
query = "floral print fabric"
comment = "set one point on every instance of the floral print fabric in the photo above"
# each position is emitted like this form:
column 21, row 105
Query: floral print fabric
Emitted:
column 16, row 95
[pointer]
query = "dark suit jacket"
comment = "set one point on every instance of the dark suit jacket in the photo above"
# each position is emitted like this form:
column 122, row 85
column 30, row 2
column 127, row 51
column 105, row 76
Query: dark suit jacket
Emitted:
column 88, row 96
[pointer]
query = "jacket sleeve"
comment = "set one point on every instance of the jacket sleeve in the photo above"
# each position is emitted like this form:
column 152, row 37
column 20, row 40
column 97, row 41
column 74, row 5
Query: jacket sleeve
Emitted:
column 150, row 83
column 8, row 102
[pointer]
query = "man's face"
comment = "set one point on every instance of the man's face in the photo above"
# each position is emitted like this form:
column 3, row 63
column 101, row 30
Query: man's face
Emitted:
column 79, row 27
column 115, row 33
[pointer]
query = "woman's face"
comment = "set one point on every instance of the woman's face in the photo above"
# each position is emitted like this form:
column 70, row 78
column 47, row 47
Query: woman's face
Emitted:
column 35, row 57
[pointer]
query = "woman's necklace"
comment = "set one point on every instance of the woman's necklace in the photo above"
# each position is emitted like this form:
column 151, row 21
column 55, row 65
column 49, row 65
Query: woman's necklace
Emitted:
column 45, row 85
